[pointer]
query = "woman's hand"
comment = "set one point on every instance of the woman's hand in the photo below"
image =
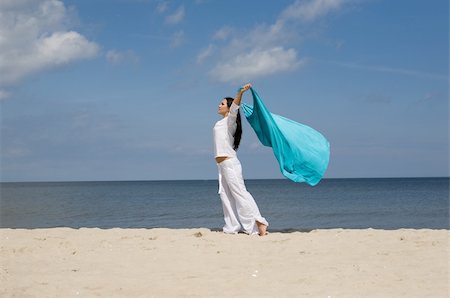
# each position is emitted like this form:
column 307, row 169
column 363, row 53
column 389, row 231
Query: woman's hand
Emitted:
column 237, row 99
column 246, row 87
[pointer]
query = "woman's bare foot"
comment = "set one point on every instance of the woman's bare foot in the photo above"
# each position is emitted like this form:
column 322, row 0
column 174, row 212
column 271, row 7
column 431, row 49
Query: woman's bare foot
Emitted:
column 262, row 228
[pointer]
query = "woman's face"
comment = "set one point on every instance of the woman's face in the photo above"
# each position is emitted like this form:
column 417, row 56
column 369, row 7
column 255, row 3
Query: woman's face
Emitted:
column 223, row 108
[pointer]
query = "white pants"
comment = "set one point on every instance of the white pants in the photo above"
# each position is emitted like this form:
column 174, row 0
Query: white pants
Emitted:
column 239, row 208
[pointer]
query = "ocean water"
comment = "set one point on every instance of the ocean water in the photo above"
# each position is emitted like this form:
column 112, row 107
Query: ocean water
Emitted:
column 390, row 203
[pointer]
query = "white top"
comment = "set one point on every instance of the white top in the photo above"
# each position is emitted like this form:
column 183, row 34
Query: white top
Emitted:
column 224, row 133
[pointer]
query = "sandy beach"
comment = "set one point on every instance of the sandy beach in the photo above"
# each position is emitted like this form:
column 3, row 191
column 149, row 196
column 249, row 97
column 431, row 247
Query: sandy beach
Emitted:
column 91, row 262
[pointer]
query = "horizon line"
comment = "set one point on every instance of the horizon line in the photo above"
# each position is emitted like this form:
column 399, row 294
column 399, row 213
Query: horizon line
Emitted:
column 162, row 180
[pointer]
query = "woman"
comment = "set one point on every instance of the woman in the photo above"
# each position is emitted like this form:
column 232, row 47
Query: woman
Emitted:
column 239, row 207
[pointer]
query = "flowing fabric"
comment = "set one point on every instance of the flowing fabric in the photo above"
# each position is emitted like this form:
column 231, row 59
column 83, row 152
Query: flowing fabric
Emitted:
column 302, row 152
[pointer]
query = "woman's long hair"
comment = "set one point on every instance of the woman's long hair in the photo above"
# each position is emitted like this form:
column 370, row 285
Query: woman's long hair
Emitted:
column 238, row 133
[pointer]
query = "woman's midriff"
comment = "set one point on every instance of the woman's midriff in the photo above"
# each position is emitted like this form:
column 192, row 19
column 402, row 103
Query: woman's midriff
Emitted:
column 219, row 159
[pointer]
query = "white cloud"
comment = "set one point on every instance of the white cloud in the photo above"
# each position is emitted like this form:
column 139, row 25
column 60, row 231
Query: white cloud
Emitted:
column 205, row 53
column 177, row 39
column 117, row 57
column 307, row 11
column 34, row 36
column 388, row 69
column 14, row 152
column 176, row 17
column 63, row 47
column 266, row 49
column 257, row 63
column 255, row 53
column 222, row 33
column 256, row 145
column 4, row 94
column 162, row 7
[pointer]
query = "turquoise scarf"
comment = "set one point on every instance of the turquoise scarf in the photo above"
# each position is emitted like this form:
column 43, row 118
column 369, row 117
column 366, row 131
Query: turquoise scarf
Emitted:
column 302, row 152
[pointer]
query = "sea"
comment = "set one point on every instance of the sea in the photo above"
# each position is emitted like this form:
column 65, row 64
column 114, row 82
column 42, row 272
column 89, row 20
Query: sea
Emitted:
column 381, row 203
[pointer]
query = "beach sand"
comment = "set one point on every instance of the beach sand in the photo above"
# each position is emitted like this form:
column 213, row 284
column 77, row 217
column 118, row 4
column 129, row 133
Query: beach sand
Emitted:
column 92, row 262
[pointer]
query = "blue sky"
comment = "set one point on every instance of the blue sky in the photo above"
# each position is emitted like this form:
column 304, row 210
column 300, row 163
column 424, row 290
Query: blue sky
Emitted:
column 129, row 89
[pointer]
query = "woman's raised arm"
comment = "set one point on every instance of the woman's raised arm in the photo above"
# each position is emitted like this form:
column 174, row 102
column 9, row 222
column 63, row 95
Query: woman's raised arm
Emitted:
column 237, row 99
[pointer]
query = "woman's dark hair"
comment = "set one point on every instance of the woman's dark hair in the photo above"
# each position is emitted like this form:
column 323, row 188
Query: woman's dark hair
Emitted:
column 238, row 133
